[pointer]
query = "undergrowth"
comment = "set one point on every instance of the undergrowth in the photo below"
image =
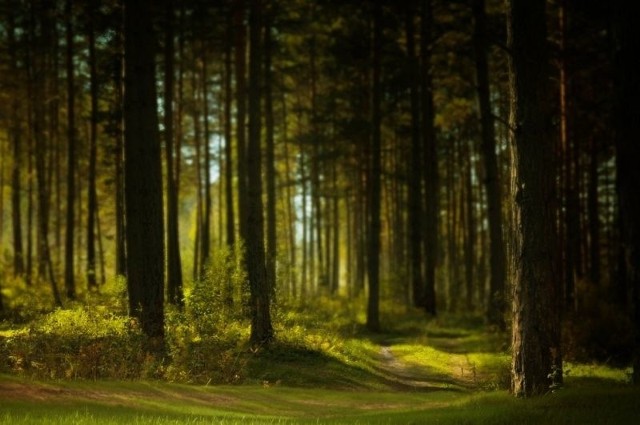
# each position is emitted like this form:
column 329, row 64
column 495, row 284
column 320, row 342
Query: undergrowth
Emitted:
column 319, row 345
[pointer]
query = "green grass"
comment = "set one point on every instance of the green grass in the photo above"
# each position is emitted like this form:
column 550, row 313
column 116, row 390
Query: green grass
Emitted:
column 323, row 369
column 592, row 401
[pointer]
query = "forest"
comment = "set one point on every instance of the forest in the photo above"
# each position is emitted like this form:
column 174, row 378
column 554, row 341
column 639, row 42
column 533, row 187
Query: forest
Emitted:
column 320, row 211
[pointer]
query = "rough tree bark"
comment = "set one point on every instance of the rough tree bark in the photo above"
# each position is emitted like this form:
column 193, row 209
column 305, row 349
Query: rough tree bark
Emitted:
column 261, row 327
column 535, row 321
column 143, row 175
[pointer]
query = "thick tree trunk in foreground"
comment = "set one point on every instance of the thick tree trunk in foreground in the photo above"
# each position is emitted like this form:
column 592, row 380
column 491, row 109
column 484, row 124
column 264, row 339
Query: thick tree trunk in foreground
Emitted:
column 143, row 175
column 627, row 116
column 533, row 255
column 261, row 328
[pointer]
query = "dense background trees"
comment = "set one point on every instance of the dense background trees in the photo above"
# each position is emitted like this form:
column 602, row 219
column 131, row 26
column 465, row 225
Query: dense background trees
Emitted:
column 338, row 149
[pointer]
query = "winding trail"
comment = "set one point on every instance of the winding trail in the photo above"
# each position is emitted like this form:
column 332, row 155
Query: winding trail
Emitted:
column 413, row 377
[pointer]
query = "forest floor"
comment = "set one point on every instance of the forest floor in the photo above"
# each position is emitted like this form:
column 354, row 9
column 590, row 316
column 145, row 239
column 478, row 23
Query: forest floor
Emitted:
column 446, row 376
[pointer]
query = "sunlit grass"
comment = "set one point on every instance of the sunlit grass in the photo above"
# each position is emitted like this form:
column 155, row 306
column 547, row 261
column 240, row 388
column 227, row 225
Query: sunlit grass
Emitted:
column 583, row 402
column 597, row 371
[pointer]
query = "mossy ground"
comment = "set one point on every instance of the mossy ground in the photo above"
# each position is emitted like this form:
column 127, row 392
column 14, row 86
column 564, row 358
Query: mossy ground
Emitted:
column 325, row 370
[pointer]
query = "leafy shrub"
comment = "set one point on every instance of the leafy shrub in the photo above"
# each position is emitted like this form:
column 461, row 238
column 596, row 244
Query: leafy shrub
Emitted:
column 79, row 343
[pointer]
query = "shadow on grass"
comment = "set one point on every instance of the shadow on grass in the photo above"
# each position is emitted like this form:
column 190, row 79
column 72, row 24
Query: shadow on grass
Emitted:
column 298, row 366
column 295, row 366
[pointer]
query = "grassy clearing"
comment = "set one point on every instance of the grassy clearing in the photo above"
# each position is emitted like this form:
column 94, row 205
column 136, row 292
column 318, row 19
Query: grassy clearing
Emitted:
column 322, row 370
column 592, row 401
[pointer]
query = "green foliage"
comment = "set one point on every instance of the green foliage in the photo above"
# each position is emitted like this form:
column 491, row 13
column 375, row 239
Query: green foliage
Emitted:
column 24, row 303
column 79, row 343
column 207, row 340
column 209, row 303
column 111, row 296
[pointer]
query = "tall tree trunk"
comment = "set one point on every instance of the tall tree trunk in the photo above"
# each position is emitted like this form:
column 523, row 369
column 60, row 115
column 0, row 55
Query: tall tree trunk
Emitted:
column 92, row 198
column 496, row 310
column 174, row 262
column 593, row 211
column 316, row 140
column 415, row 170
column 374, row 178
column 197, row 141
column 241, row 115
column 470, row 229
column 271, row 254
column 430, row 160
column 120, row 236
column 16, row 143
column 30, row 204
column 291, row 217
column 205, row 234
column 627, row 115
column 143, row 175
column 69, row 281
column 533, row 256
column 228, row 156
column 335, row 278
column 103, row 274
column 261, row 328
column 39, row 77
column 305, row 232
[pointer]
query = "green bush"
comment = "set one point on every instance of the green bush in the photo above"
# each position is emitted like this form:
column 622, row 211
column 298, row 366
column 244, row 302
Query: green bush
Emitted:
column 78, row 343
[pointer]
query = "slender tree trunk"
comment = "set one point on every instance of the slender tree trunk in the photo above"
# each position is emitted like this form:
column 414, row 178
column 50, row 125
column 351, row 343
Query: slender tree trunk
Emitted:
column 69, row 281
column 241, row 115
column 535, row 322
column 261, row 328
column 228, row 156
column 143, row 176
column 174, row 262
column 197, row 140
column 271, row 254
column 470, row 227
column 316, row 203
column 103, row 274
column 593, row 210
column 335, row 279
column 415, row 170
column 120, row 236
column 205, row 234
column 16, row 143
column 41, row 150
column 30, row 204
column 373, row 180
column 291, row 217
column 305, row 232
column 431, row 160
column 92, row 198
column 627, row 115
column 496, row 310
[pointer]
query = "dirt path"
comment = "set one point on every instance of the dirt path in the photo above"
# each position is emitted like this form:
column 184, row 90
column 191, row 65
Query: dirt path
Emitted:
column 461, row 376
